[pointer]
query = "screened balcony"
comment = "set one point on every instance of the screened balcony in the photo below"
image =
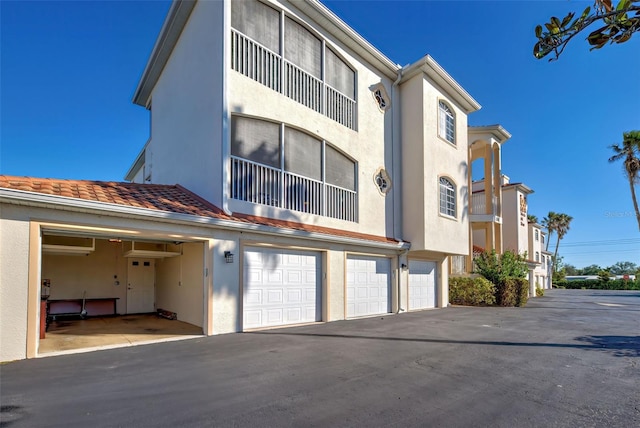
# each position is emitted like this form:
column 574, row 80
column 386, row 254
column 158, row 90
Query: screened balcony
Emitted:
column 271, row 48
column 261, row 184
column 277, row 165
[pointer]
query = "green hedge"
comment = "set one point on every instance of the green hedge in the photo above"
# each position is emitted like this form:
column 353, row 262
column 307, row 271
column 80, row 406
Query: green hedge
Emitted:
column 471, row 291
column 512, row 292
column 598, row 284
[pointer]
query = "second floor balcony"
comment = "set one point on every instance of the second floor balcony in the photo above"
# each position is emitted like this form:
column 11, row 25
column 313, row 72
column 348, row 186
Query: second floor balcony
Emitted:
column 480, row 212
column 261, row 184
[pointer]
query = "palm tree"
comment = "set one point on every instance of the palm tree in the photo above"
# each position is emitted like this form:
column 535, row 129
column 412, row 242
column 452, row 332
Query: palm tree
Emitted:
column 550, row 223
column 630, row 152
column 563, row 221
column 532, row 218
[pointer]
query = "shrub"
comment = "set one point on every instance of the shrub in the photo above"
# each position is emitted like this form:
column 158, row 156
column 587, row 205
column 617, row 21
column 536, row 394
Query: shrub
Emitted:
column 512, row 292
column 471, row 291
column 522, row 291
column 539, row 291
column 497, row 268
column 597, row 284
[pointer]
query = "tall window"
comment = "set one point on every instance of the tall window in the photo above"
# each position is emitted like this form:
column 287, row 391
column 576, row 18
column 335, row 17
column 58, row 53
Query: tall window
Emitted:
column 447, row 197
column 537, row 256
column 536, row 233
column 446, row 123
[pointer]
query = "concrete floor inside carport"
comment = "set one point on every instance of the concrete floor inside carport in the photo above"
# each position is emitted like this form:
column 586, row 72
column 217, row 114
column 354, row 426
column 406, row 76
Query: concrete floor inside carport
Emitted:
column 67, row 336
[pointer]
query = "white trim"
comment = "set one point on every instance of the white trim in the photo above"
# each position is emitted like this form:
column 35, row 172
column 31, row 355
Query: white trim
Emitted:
column 432, row 69
column 20, row 197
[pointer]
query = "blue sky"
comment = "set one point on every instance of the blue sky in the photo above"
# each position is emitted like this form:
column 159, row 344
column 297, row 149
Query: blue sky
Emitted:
column 69, row 69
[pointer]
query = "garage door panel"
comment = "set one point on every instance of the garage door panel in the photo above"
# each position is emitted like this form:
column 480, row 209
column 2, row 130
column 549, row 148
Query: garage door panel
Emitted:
column 275, row 296
column 275, row 277
column 422, row 285
column 294, row 276
column 275, row 316
column 286, row 290
column 254, row 296
column 294, row 296
column 253, row 318
column 368, row 285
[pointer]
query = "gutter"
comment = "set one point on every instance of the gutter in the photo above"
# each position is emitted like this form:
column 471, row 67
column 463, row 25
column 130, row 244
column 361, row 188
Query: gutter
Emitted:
column 19, row 197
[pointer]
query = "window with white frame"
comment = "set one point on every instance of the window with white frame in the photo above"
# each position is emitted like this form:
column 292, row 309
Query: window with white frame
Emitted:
column 537, row 256
column 536, row 233
column 274, row 164
column 446, row 123
column 447, row 197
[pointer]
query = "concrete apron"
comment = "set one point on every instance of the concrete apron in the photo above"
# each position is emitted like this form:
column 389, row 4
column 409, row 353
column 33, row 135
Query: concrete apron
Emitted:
column 94, row 334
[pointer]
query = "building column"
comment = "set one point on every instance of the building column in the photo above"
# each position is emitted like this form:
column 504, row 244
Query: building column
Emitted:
column 532, row 284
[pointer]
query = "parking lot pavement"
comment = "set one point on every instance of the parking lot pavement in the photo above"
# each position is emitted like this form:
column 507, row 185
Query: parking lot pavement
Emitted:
column 568, row 359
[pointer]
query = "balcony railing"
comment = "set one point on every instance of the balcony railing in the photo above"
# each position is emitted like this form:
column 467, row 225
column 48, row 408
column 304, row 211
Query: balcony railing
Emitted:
column 269, row 68
column 261, row 184
column 479, row 204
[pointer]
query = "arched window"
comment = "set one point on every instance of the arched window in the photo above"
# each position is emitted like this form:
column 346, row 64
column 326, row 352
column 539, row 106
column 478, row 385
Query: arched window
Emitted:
column 447, row 197
column 446, row 123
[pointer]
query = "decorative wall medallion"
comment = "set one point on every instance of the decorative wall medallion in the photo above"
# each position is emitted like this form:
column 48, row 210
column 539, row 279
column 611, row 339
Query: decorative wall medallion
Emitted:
column 382, row 180
column 380, row 95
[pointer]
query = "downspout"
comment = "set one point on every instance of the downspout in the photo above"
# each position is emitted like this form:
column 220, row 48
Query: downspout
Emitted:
column 395, row 141
column 401, row 256
column 226, row 115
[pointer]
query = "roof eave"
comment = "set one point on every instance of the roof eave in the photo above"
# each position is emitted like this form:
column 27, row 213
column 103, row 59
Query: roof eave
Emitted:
column 172, row 27
column 137, row 164
column 347, row 35
column 434, row 71
column 21, row 197
column 181, row 10
column 498, row 131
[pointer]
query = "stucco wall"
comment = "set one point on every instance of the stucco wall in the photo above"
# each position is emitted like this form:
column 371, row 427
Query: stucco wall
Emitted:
column 187, row 108
column 102, row 273
column 14, row 274
column 426, row 158
column 180, row 285
column 516, row 234
column 369, row 146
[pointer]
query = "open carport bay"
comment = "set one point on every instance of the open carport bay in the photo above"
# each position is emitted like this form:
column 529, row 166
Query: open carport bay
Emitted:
column 567, row 359
column 117, row 278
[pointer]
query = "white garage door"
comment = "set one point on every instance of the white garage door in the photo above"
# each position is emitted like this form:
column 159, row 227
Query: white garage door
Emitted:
column 422, row 285
column 280, row 287
column 368, row 286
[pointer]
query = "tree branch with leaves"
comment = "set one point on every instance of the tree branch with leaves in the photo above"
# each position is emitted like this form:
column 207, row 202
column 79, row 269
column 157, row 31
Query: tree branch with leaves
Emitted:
column 620, row 23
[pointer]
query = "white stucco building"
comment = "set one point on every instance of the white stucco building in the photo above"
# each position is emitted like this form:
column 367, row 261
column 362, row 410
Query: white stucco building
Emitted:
column 292, row 174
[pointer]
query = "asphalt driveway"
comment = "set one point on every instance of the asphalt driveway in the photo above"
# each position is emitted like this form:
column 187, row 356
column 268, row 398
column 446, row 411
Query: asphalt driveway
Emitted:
column 571, row 358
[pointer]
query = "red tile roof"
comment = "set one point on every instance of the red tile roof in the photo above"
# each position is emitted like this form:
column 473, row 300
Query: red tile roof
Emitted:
column 167, row 198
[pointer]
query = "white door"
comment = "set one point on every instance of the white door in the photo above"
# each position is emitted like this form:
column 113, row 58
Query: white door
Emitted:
column 368, row 286
column 280, row 287
column 422, row 285
column 141, row 286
